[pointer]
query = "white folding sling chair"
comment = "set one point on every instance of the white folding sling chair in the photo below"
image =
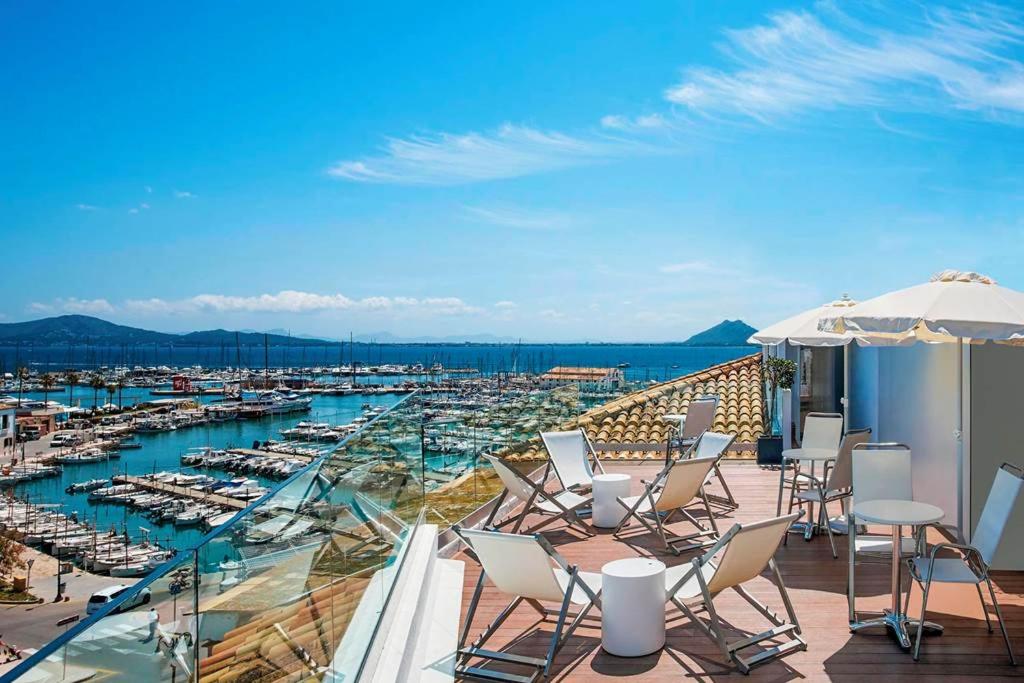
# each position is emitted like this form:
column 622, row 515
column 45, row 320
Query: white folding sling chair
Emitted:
column 970, row 563
column 742, row 554
column 530, row 570
column 569, row 455
column 687, row 428
column 836, row 483
column 562, row 505
column 881, row 471
column 679, row 484
column 715, row 444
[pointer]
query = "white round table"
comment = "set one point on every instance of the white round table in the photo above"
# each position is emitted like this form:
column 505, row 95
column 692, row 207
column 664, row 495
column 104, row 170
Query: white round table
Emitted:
column 633, row 607
column 607, row 513
column 812, row 456
column 897, row 513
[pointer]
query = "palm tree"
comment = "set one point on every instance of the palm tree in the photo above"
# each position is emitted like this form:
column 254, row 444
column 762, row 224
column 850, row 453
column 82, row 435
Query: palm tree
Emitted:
column 97, row 383
column 47, row 382
column 22, row 376
column 120, row 388
column 72, row 378
column 111, row 390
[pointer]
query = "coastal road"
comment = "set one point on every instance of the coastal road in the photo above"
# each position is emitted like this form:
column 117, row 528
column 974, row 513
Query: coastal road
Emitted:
column 32, row 626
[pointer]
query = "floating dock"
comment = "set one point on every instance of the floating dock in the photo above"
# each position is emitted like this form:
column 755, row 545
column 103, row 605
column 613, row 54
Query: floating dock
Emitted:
column 181, row 491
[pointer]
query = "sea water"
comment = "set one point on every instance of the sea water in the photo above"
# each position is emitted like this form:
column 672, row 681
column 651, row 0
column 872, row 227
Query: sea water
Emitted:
column 645, row 361
column 162, row 451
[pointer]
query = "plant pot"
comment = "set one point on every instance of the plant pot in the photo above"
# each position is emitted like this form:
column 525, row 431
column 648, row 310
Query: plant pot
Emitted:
column 769, row 450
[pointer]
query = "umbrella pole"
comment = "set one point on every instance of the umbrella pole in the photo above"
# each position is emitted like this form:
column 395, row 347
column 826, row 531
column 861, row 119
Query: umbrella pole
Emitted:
column 958, row 434
column 846, row 387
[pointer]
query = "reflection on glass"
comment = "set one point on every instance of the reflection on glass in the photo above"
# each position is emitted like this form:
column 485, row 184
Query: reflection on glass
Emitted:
column 293, row 588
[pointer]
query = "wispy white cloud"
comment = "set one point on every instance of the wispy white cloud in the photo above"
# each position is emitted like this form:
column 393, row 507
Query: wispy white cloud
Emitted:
column 506, row 305
column 133, row 210
column 73, row 305
column 452, row 158
column 804, row 61
column 86, row 207
column 290, row 301
column 645, row 123
column 183, row 194
column 518, row 217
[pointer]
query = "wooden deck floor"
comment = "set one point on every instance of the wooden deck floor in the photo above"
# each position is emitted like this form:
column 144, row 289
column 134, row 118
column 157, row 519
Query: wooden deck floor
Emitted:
column 817, row 586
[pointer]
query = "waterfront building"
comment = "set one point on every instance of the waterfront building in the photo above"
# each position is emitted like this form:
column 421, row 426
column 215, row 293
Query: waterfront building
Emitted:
column 8, row 431
column 587, row 379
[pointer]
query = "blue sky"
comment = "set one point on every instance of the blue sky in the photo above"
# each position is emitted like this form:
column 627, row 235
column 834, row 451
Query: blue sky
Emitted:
column 600, row 170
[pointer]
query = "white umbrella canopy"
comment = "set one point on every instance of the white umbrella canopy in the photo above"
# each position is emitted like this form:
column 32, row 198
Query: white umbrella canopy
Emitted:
column 803, row 329
column 954, row 307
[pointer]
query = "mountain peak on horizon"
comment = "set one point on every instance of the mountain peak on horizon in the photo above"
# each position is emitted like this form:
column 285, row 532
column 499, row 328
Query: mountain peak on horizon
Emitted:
column 725, row 333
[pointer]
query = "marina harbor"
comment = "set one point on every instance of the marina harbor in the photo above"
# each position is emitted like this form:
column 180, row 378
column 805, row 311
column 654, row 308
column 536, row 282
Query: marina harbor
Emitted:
column 518, row 343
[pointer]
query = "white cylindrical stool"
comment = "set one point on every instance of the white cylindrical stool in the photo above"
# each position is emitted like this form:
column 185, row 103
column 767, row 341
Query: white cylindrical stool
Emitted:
column 632, row 607
column 607, row 512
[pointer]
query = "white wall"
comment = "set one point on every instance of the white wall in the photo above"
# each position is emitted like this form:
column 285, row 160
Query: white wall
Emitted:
column 907, row 395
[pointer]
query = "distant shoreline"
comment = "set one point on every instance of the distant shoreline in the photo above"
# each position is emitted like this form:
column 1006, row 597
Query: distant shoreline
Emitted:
column 323, row 343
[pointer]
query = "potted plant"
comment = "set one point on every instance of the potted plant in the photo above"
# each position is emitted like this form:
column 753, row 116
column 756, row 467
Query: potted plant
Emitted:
column 776, row 373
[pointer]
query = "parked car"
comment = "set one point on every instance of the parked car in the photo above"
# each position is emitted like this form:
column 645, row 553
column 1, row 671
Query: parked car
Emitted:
column 65, row 439
column 100, row 598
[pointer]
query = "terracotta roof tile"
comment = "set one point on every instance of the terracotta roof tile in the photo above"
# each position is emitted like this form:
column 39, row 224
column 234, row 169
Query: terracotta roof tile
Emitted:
column 637, row 418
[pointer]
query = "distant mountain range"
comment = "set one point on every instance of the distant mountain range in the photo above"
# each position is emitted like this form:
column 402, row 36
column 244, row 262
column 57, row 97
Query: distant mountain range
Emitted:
column 725, row 333
column 84, row 329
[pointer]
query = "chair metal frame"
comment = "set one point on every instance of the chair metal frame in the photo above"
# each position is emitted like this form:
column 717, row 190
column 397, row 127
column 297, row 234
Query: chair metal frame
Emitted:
column 851, row 532
column 821, row 489
column 713, row 627
column 794, row 483
column 676, row 438
column 972, row 557
column 537, row 493
column 655, row 488
column 542, row 667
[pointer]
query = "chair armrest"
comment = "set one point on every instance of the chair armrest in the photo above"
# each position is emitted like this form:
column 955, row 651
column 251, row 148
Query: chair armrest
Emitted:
column 811, row 477
column 921, row 543
column 968, row 552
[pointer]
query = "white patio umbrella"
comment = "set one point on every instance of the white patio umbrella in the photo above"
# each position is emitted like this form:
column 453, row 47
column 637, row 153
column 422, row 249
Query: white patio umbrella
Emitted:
column 804, row 329
column 954, row 307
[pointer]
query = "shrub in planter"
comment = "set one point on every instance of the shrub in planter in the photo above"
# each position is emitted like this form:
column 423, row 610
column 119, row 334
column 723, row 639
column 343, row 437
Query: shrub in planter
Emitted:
column 776, row 373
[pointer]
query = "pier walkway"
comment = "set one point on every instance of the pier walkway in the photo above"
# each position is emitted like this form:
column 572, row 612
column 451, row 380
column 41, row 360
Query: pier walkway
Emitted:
column 181, row 491
column 271, row 454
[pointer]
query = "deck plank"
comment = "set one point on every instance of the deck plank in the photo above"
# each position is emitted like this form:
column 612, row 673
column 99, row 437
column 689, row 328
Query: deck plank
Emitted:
column 817, row 586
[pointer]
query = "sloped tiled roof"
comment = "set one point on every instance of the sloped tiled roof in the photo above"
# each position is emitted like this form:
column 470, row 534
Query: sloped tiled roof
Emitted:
column 636, row 418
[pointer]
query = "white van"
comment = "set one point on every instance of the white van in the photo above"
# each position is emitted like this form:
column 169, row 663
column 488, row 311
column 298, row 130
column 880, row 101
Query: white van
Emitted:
column 64, row 439
column 100, row 598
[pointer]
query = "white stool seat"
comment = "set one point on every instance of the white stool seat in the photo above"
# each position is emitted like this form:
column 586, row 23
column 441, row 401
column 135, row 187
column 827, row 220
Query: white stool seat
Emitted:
column 633, row 607
column 607, row 513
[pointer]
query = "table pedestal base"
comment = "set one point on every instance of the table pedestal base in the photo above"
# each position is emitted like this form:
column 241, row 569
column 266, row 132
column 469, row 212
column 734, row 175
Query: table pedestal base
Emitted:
column 898, row 623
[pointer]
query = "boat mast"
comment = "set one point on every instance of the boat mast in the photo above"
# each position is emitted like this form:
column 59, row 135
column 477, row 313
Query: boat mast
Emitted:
column 266, row 361
column 238, row 362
